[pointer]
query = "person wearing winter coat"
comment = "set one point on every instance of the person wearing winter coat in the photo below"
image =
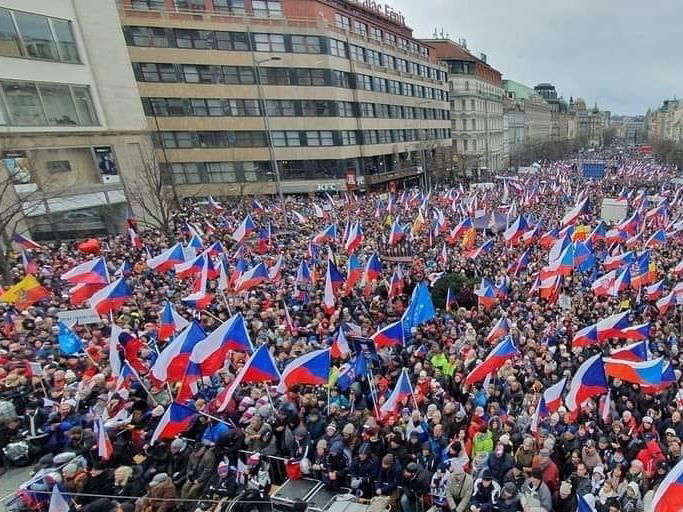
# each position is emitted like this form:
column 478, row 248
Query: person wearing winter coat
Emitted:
column 363, row 471
column 200, row 468
column 536, row 496
column 223, row 484
column 177, row 463
column 565, row 500
column 335, row 467
column 415, row 485
column 460, row 489
column 160, row 496
column 632, row 501
column 486, row 493
column 128, row 483
column 508, row 500
column 499, row 462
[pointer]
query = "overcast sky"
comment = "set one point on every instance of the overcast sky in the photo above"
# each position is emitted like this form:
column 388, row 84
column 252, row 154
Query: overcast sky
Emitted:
column 625, row 54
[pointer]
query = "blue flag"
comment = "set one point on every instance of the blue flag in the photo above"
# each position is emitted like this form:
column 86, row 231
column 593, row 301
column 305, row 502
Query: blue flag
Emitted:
column 214, row 432
column 69, row 343
column 420, row 310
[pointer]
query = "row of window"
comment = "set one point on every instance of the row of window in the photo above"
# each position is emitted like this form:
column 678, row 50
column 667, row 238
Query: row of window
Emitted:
column 360, row 27
column 259, row 8
column 218, row 107
column 219, row 172
column 160, row 37
column 36, row 36
column 211, row 74
column 45, row 104
column 478, row 124
column 309, row 138
column 476, row 106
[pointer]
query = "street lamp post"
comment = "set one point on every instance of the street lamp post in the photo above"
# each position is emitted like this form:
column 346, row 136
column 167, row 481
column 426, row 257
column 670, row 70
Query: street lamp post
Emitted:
column 269, row 138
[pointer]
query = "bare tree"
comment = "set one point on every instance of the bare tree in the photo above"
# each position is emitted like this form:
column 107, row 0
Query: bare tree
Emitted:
column 152, row 190
column 16, row 202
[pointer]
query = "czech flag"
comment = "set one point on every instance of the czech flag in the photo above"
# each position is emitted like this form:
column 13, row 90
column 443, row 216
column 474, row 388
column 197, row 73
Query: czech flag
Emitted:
column 373, row 269
column 666, row 302
column 622, row 282
column 253, row 277
column 260, row 367
column 208, row 355
column 613, row 326
column 603, row 285
column 195, row 243
column 303, row 274
column 199, row 299
column 172, row 363
column 168, row 259
column 328, row 297
column 505, row 350
column 450, row 299
column 111, row 297
column 486, row 296
column 549, row 238
column 82, row 292
column 25, row 242
column 91, row 272
column 589, row 381
column 669, row 494
column 354, row 239
column 190, row 268
column 461, row 228
column 668, row 378
column 312, row 368
column 215, row 249
column 598, row 233
column 170, row 322
column 104, row 446
column 354, row 271
column 515, row 231
column 176, row 420
column 274, row 271
column 636, row 332
column 678, row 269
column 335, row 275
column 532, row 235
column 630, row 225
column 402, row 391
column 257, row 207
column 340, row 345
column 573, row 215
column 485, row 248
column 552, row 397
column 635, row 352
column 389, row 336
column 520, row 264
column 644, row 373
column 586, row 336
column 215, row 206
column 655, row 291
column 245, row 229
column 329, row 234
column 29, row 264
column 396, row 234
column 615, row 236
column 396, row 284
column 658, row 239
column 499, row 330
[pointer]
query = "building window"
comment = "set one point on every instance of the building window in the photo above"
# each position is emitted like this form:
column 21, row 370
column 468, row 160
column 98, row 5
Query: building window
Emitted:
column 201, row 74
column 464, row 145
column 473, row 123
column 342, row 22
column 463, row 105
column 269, row 42
column 348, row 138
column 472, row 104
column 275, row 76
column 360, row 28
column 320, row 138
column 345, row 109
column 306, row 44
column 285, row 139
column 389, row 61
column 9, row 39
column 36, row 36
column 402, row 65
column 147, row 36
column 379, row 84
column 474, row 145
column 237, row 41
column 311, row 77
column 390, row 38
column 197, row 39
column 376, row 33
column 229, row 6
column 47, row 104
column 467, row 85
column 373, row 57
column 221, row 172
column 267, row 8
column 147, row 5
column 239, row 75
column 464, row 124
column 194, row 5
column 320, row 108
column 337, row 48
column 66, row 44
column 356, row 53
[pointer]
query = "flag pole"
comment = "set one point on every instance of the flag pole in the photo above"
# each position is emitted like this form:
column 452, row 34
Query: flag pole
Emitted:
column 229, row 423
column 225, row 299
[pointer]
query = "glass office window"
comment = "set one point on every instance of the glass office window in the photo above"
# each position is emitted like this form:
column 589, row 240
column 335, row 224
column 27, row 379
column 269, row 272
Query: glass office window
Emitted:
column 24, row 104
column 229, row 6
column 36, row 35
column 9, row 39
column 269, row 42
column 337, row 48
column 59, row 105
column 66, row 44
column 306, row 44
column 194, row 5
column 221, row 172
column 232, row 41
column 267, row 8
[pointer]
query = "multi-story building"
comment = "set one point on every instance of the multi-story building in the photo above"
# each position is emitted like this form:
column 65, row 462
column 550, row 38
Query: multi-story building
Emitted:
column 536, row 111
column 665, row 123
column 323, row 93
column 477, row 96
column 549, row 94
column 590, row 124
column 71, row 123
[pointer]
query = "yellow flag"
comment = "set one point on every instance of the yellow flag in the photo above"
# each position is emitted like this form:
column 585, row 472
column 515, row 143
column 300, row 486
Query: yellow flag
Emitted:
column 25, row 292
column 388, row 221
column 468, row 238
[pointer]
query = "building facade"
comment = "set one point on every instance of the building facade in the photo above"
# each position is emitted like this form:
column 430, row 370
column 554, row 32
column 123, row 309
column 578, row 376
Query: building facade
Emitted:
column 71, row 123
column 334, row 91
column 665, row 123
column 590, row 123
column 529, row 117
column 476, row 107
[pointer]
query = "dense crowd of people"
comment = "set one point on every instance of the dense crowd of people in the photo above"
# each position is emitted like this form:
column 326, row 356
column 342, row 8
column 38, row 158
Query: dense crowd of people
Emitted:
column 451, row 445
